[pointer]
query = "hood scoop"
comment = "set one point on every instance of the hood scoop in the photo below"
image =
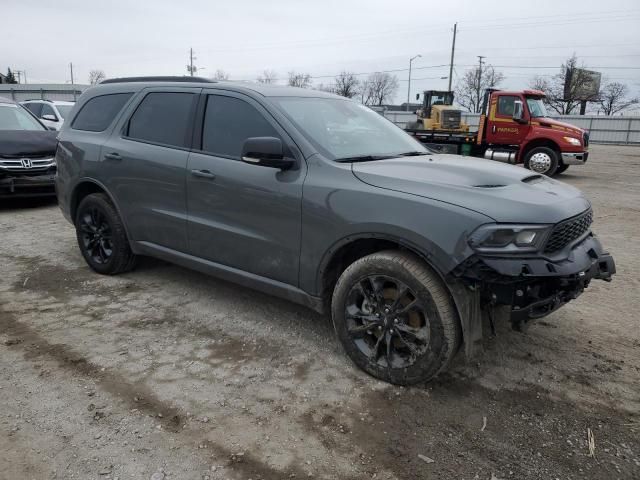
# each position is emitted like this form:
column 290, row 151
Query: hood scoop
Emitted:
column 533, row 179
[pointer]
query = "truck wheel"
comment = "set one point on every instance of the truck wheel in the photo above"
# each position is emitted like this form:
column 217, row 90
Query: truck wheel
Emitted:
column 542, row 160
column 562, row 168
column 395, row 319
column 101, row 236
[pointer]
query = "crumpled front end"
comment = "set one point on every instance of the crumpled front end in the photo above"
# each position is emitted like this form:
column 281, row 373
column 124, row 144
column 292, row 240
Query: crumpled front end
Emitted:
column 536, row 283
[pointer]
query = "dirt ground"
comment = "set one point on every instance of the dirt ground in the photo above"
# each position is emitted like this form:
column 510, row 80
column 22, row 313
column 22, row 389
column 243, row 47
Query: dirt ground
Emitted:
column 167, row 373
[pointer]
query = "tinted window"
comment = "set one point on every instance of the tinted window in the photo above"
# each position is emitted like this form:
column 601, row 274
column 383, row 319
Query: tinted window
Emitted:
column 505, row 105
column 98, row 113
column 34, row 108
column 163, row 118
column 228, row 122
column 47, row 110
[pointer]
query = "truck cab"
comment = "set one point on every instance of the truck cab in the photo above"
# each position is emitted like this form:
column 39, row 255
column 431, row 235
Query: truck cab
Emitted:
column 516, row 128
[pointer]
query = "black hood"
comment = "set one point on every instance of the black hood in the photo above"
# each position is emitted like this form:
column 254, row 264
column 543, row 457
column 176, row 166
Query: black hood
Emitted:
column 503, row 192
column 27, row 143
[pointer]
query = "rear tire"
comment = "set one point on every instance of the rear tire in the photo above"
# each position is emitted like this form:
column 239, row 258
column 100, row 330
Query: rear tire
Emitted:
column 395, row 319
column 102, row 237
column 542, row 160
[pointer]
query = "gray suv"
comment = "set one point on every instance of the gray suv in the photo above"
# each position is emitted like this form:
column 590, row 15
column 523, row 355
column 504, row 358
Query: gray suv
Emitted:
column 320, row 200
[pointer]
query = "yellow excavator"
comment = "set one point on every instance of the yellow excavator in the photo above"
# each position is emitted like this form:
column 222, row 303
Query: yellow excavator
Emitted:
column 439, row 114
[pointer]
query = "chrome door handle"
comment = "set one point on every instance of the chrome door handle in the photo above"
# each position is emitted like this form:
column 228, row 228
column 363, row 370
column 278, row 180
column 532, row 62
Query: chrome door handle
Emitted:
column 112, row 156
column 202, row 174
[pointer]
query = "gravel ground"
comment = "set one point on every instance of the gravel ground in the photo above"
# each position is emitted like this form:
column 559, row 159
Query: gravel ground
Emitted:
column 167, row 373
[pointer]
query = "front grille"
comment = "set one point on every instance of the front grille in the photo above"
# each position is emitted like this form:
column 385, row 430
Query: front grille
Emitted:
column 26, row 166
column 450, row 119
column 585, row 139
column 566, row 232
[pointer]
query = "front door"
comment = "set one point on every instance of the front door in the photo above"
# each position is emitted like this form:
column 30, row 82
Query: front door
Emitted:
column 502, row 129
column 241, row 215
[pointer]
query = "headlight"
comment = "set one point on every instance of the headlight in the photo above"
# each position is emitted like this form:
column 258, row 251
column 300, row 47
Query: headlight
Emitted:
column 497, row 238
column 573, row 141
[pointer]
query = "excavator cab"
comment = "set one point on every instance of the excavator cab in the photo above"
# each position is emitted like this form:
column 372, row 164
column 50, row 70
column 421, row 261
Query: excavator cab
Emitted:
column 438, row 113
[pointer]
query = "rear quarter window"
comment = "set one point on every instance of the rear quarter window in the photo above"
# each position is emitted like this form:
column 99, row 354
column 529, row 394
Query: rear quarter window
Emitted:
column 98, row 113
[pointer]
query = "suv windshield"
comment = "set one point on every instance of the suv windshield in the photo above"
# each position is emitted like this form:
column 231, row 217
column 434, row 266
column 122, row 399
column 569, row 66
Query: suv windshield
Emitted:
column 14, row 117
column 536, row 107
column 64, row 110
column 345, row 130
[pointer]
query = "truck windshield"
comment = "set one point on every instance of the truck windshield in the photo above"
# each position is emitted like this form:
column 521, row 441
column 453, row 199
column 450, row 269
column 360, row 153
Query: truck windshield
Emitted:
column 346, row 130
column 536, row 107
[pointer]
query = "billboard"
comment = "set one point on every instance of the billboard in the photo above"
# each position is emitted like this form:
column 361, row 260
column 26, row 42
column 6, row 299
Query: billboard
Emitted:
column 581, row 84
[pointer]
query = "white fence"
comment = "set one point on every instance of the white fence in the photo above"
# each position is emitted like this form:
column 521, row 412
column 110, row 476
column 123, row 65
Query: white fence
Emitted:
column 613, row 130
column 49, row 91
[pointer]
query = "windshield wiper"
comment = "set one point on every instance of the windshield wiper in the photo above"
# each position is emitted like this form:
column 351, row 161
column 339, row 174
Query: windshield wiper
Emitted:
column 363, row 158
column 412, row 154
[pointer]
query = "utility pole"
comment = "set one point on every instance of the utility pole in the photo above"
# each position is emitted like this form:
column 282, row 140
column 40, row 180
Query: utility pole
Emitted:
column 74, row 90
column 453, row 50
column 480, row 57
column 191, row 68
column 409, row 86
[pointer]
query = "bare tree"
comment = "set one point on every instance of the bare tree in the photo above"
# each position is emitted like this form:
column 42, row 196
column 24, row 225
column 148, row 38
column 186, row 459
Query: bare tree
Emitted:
column 560, row 100
column 220, row 75
column 470, row 89
column 302, row 80
column 268, row 76
column 96, row 76
column 346, row 85
column 614, row 98
column 379, row 88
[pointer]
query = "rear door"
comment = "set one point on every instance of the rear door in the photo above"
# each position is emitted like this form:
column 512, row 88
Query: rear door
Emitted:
column 502, row 129
column 144, row 163
column 241, row 215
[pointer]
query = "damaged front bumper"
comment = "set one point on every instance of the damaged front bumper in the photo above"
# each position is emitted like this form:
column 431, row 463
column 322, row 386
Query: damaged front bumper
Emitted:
column 27, row 185
column 535, row 286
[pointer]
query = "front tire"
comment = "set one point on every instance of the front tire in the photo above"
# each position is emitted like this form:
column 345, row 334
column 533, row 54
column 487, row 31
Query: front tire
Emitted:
column 101, row 236
column 542, row 160
column 395, row 319
column 562, row 168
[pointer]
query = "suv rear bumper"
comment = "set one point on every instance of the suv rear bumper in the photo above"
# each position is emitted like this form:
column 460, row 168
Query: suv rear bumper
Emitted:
column 574, row 158
column 28, row 186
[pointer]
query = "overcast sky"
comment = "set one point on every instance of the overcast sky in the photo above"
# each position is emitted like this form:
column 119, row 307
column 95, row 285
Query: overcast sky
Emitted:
column 244, row 37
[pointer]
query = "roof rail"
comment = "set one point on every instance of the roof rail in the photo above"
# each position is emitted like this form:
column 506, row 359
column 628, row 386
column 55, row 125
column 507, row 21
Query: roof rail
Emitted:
column 36, row 100
column 157, row 79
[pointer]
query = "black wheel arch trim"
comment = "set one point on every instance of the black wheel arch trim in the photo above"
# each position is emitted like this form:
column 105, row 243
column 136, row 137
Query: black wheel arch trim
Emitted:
column 74, row 203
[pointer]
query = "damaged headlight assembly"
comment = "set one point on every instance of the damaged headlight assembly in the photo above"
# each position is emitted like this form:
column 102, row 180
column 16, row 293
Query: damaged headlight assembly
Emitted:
column 509, row 238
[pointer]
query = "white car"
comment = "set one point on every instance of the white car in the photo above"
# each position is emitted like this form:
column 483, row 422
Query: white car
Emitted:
column 50, row 112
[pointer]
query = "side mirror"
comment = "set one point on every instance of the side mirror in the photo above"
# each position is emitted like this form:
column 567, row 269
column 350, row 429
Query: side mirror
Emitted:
column 518, row 111
column 48, row 116
column 266, row 152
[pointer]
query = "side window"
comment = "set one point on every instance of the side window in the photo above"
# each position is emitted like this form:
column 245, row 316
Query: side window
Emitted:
column 47, row 110
column 34, row 108
column 228, row 122
column 505, row 105
column 164, row 118
column 98, row 113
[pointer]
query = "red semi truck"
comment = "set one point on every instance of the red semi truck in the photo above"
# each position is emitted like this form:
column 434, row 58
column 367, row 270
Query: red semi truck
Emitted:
column 514, row 127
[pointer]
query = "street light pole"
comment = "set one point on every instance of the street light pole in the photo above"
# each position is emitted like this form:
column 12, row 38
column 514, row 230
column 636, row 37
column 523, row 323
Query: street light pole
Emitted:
column 409, row 86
